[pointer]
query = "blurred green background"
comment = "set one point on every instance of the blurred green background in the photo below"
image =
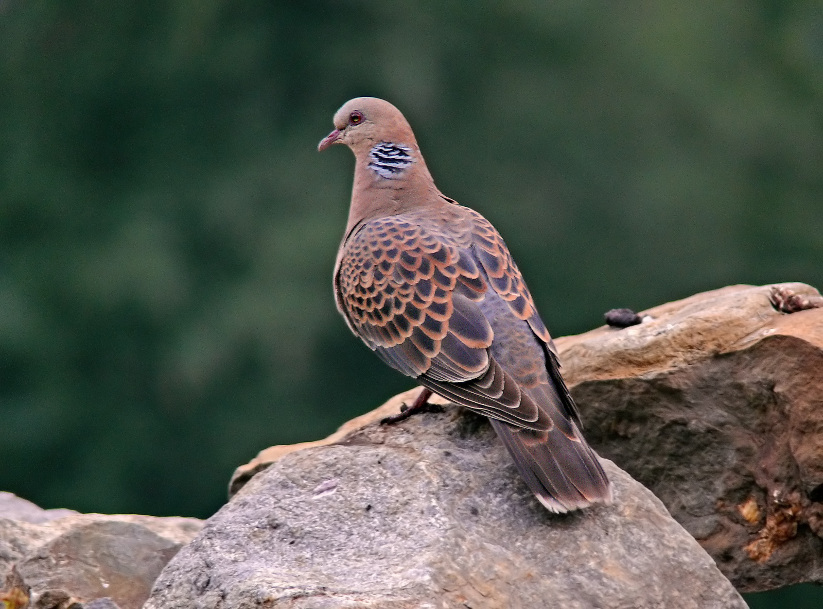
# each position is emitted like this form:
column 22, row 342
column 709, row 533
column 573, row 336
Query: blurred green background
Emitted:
column 168, row 230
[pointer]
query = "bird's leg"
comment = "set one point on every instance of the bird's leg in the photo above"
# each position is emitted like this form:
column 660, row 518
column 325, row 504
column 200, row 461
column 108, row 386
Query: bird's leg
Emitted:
column 421, row 402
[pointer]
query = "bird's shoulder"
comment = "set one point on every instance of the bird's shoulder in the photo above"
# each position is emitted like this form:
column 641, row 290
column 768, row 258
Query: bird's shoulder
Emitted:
column 437, row 232
column 412, row 260
column 442, row 249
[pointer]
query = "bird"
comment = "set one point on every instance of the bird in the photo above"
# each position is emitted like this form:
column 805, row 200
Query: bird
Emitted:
column 430, row 286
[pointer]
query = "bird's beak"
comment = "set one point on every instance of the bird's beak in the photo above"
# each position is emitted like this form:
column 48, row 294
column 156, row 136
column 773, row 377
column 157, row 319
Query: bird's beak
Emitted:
column 331, row 138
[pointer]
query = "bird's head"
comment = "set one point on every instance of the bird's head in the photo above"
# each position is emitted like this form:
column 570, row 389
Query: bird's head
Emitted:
column 365, row 121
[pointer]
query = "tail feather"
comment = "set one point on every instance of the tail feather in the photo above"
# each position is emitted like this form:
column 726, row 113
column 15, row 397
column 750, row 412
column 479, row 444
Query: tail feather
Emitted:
column 564, row 474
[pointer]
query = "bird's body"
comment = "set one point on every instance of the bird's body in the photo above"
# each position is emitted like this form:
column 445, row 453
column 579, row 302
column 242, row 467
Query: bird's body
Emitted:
column 431, row 287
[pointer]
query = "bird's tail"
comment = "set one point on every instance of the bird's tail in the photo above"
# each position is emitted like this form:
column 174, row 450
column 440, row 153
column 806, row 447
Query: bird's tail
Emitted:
column 562, row 472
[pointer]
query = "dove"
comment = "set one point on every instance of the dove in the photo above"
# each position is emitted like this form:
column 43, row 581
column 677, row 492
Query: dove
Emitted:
column 430, row 286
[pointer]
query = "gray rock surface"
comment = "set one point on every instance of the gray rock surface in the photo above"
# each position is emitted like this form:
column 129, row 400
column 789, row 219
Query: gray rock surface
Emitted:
column 715, row 403
column 64, row 560
column 431, row 513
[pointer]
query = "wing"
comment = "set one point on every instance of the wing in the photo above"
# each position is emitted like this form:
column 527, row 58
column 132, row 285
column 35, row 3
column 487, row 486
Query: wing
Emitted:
column 412, row 285
column 505, row 278
column 439, row 298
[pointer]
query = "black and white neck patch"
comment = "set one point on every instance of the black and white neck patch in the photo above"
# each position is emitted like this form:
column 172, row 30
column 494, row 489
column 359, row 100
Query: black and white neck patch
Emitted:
column 389, row 160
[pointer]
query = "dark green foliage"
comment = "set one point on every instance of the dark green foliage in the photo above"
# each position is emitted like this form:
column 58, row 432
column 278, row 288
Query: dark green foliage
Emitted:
column 804, row 596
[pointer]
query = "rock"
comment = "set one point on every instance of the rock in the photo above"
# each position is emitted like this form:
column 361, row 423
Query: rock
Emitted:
column 715, row 403
column 101, row 603
column 17, row 508
column 66, row 560
column 15, row 593
column 267, row 456
column 432, row 513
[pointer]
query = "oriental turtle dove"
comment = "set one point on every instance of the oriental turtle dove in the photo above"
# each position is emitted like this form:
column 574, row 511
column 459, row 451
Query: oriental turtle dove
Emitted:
column 430, row 286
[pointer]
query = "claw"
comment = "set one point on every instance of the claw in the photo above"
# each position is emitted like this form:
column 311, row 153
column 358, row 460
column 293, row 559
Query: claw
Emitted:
column 421, row 403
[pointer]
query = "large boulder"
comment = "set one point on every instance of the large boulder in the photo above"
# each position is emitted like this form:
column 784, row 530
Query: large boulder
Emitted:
column 715, row 403
column 431, row 513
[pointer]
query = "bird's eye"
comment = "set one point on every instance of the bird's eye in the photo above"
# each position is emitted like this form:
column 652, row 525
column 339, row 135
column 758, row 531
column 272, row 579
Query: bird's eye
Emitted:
column 355, row 118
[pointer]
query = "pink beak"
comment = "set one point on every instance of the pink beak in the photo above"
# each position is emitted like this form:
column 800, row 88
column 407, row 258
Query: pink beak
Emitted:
column 330, row 139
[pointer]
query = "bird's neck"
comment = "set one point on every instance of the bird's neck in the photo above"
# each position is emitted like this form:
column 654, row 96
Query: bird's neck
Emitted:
column 390, row 179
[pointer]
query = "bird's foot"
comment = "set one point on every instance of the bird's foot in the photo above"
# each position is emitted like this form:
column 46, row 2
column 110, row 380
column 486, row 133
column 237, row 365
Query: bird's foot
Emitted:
column 420, row 404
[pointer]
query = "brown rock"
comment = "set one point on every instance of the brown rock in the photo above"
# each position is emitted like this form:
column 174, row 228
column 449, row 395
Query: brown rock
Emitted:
column 64, row 560
column 119, row 560
column 716, row 405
